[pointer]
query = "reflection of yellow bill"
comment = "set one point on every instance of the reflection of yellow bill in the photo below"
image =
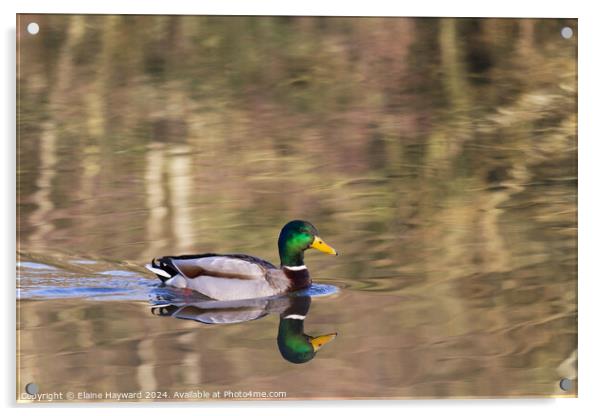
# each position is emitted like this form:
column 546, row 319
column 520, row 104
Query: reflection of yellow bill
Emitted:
column 319, row 341
column 320, row 245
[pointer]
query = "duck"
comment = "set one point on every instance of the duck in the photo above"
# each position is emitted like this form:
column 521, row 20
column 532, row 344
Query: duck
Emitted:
column 242, row 276
column 294, row 344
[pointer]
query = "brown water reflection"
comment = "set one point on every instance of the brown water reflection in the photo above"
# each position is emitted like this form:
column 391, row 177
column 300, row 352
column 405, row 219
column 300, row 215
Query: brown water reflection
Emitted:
column 438, row 155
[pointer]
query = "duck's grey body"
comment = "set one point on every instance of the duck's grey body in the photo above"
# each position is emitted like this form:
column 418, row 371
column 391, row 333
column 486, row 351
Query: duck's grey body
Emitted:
column 240, row 276
column 229, row 276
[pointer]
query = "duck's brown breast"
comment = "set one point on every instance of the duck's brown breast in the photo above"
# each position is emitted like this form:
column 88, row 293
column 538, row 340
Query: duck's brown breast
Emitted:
column 299, row 278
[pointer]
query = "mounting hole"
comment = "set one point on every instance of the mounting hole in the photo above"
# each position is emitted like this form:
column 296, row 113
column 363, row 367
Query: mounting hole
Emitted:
column 31, row 388
column 33, row 28
column 566, row 384
column 566, row 32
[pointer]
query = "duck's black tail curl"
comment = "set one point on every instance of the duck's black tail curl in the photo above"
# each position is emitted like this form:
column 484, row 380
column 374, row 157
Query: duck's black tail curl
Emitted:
column 163, row 268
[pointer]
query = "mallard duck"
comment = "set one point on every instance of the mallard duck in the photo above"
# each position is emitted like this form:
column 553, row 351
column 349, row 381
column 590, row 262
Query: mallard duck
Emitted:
column 240, row 276
column 293, row 343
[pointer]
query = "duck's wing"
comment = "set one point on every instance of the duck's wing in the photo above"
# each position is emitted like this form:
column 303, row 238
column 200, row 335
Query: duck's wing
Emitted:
column 232, row 266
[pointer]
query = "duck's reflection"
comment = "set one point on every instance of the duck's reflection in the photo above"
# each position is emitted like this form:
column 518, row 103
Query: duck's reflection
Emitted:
column 294, row 344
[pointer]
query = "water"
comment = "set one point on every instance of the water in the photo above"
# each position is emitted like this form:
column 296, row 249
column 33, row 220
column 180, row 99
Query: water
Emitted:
column 438, row 156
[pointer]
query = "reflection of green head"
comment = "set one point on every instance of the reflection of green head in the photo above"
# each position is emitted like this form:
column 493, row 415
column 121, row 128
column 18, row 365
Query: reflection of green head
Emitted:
column 296, row 237
column 295, row 346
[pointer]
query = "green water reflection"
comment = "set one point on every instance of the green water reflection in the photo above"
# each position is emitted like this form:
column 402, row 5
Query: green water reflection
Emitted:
column 438, row 155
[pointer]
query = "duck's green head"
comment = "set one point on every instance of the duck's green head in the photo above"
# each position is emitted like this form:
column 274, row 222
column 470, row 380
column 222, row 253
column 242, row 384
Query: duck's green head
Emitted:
column 296, row 237
column 297, row 347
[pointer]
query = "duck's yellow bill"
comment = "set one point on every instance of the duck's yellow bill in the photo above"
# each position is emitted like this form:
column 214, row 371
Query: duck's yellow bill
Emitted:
column 319, row 341
column 320, row 245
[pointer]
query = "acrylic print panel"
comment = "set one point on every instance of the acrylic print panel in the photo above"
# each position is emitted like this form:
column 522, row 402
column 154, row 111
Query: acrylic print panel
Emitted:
column 437, row 156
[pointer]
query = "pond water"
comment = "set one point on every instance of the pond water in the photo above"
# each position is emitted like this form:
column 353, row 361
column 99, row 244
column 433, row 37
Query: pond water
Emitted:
column 438, row 156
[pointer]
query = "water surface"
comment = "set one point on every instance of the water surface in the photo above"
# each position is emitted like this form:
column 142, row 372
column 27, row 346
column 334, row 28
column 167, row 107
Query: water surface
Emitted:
column 438, row 156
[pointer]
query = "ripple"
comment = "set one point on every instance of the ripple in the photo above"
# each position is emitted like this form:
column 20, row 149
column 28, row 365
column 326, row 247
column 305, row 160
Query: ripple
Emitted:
column 83, row 261
column 318, row 290
column 38, row 280
column 71, row 292
column 35, row 266
column 119, row 273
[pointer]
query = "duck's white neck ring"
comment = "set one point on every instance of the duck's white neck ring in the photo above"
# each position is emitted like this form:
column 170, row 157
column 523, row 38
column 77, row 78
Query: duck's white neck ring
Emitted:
column 295, row 316
column 295, row 268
